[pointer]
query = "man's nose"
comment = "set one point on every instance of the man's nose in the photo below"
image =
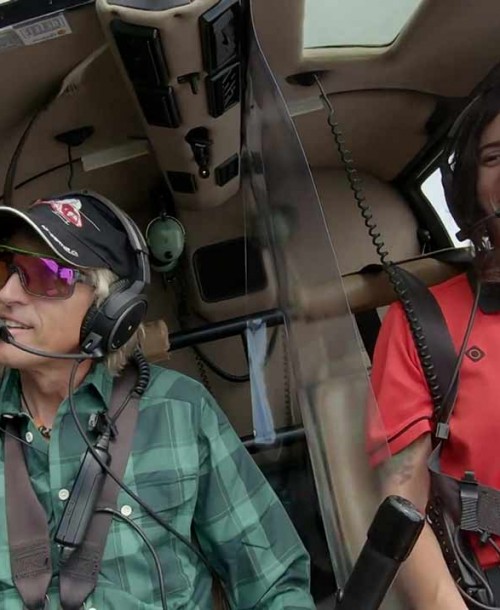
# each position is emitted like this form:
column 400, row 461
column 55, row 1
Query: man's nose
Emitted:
column 12, row 291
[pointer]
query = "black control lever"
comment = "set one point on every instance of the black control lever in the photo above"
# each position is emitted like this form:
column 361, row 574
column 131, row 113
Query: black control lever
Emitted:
column 391, row 538
column 199, row 140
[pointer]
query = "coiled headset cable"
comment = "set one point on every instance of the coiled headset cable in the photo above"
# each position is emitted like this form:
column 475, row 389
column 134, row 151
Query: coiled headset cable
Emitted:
column 394, row 276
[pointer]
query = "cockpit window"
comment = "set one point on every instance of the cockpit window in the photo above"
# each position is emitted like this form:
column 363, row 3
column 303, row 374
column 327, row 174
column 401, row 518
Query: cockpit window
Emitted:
column 432, row 189
column 355, row 23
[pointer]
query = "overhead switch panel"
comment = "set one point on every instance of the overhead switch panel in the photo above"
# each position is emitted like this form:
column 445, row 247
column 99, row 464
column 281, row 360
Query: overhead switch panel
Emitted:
column 142, row 53
column 223, row 90
column 159, row 106
column 220, row 35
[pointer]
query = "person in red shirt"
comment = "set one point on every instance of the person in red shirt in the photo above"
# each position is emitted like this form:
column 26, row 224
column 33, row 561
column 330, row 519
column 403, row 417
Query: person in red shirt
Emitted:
column 402, row 394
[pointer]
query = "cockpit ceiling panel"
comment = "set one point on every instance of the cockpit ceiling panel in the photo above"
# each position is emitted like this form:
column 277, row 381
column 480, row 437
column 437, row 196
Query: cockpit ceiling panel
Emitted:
column 445, row 50
column 17, row 11
column 383, row 129
column 33, row 71
column 101, row 100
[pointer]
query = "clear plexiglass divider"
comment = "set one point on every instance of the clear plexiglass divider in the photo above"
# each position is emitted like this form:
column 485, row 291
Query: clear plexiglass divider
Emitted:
column 329, row 384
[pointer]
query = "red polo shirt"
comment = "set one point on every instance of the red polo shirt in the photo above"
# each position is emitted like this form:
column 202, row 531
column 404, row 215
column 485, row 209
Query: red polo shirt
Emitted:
column 405, row 404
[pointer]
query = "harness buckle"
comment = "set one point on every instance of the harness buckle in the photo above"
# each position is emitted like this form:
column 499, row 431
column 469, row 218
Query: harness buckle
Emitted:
column 469, row 499
column 442, row 431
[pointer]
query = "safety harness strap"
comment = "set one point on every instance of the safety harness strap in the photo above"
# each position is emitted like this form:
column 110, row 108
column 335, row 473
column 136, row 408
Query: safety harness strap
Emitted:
column 441, row 350
column 27, row 526
column 27, row 522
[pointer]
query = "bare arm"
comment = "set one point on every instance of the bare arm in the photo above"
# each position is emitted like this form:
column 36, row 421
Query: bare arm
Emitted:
column 424, row 578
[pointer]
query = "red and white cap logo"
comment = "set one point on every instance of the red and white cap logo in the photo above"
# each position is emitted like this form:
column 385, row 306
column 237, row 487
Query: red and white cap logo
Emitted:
column 68, row 210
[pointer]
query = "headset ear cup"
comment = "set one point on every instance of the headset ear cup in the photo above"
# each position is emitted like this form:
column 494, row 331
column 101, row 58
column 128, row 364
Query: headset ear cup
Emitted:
column 92, row 323
column 88, row 322
column 131, row 316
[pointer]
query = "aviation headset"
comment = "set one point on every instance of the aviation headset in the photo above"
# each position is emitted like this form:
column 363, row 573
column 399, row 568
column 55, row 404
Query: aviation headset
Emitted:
column 108, row 326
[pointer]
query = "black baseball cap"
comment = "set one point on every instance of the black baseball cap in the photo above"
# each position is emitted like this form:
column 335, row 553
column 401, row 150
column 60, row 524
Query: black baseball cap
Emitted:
column 80, row 229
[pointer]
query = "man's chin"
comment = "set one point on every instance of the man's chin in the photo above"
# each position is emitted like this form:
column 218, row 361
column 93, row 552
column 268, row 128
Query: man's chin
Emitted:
column 14, row 357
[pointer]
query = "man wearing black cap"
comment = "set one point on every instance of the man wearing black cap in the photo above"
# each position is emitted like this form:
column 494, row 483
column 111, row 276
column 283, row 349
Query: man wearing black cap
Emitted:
column 62, row 257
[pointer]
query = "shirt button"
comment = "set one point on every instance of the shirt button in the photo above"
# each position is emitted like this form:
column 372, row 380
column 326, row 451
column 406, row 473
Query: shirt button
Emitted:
column 29, row 437
column 63, row 494
column 126, row 510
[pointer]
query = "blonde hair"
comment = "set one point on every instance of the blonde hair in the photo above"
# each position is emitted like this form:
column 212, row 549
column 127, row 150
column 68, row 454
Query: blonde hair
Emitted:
column 102, row 280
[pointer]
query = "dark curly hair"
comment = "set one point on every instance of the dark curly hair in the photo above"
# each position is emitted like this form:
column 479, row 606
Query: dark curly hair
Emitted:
column 460, row 172
column 461, row 192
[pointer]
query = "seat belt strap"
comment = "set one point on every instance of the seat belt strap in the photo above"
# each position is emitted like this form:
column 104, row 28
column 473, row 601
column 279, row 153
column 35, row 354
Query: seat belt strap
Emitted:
column 27, row 526
column 441, row 349
column 27, row 522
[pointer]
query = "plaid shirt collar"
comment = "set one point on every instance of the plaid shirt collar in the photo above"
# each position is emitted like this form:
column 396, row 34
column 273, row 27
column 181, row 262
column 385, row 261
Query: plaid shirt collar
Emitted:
column 98, row 380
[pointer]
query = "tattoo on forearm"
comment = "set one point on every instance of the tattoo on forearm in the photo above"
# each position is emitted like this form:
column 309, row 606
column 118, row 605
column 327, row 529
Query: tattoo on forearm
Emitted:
column 399, row 467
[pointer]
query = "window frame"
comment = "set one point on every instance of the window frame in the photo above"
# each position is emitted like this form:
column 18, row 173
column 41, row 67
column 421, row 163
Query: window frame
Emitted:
column 357, row 47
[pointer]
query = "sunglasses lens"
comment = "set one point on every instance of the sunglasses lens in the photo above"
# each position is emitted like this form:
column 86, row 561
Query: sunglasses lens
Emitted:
column 45, row 276
column 39, row 276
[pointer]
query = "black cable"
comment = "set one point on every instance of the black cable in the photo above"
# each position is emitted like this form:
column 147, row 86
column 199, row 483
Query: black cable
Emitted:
column 461, row 353
column 147, row 542
column 45, row 172
column 10, row 175
column 474, row 602
column 182, row 314
column 395, row 278
column 230, row 376
column 480, row 577
column 71, row 168
column 18, row 438
column 144, row 373
column 494, row 545
column 217, row 370
column 120, row 483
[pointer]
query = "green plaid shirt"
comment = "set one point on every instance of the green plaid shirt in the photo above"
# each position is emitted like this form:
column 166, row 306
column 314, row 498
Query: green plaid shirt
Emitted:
column 190, row 466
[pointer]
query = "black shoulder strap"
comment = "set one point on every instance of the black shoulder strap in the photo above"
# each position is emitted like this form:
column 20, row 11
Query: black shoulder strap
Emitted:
column 78, row 575
column 27, row 526
column 27, row 523
column 435, row 346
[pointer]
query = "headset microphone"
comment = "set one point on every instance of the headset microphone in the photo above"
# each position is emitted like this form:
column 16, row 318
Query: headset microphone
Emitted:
column 6, row 337
column 464, row 234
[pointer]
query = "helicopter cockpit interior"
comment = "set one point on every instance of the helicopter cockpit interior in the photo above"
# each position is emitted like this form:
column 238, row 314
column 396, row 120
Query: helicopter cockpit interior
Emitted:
column 229, row 131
